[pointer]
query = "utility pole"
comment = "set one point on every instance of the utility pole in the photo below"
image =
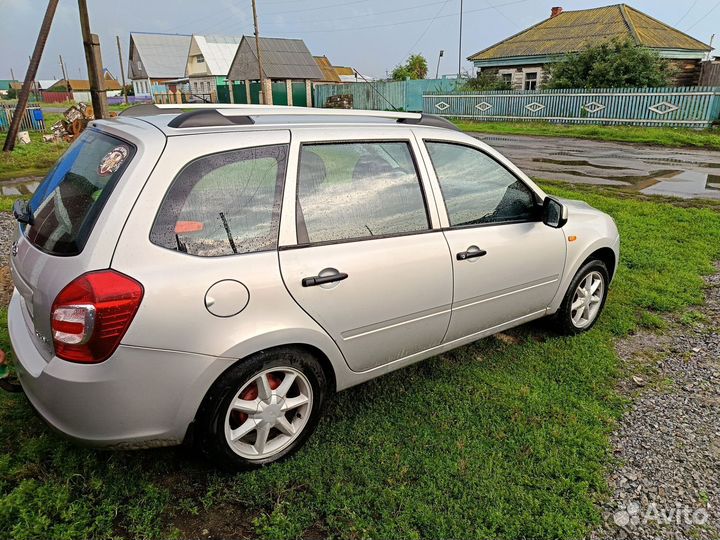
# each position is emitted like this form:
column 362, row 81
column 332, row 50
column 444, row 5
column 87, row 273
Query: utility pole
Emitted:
column 460, row 44
column 67, row 82
column 30, row 76
column 122, row 70
column 257, row 46
column 94, row 64
column 437, row 71
column 12, row 74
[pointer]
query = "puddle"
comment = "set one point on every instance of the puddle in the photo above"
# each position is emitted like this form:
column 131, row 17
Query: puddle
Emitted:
column 577, row 162
column 686, row 184
column 20, row 187
column 703, row 164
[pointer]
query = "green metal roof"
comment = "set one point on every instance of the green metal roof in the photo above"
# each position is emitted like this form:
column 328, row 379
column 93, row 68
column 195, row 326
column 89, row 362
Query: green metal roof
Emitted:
column 573, row 31
column 5, row 84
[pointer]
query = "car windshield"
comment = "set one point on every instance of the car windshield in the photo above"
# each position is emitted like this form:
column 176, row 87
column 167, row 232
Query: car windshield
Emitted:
column 66, row 205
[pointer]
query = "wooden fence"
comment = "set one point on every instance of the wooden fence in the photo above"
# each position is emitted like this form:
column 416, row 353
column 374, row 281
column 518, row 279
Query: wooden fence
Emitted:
column 696, row 107
column 33, row 119
column 384, row 95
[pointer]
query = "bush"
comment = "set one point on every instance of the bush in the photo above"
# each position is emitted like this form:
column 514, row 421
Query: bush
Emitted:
column 613, row 64
column 486, row 80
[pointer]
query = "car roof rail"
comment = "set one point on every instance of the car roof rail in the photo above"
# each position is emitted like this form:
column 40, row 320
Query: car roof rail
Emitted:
column 149, row 109
column 220, row 114
column 431, row 120
column 208, row 118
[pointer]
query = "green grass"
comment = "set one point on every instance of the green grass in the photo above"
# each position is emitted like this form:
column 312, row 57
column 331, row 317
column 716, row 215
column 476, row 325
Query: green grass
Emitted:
column 496, row 439
column 661, row 136
column 34, row 159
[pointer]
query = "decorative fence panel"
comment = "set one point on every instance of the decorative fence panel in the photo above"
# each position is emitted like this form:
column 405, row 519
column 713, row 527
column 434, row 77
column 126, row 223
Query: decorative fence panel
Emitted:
column 33, row 119
column 384, row 95
column 696, row 107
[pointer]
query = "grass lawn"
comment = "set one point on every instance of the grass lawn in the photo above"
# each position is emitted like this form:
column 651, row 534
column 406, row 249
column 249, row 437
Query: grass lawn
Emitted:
column 34, row 159
column 505, row 438
column 661, row 136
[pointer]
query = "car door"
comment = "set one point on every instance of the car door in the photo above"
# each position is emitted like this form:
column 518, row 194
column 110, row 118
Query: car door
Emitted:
column 202, row 239
column 506, row 263
column 364, row 255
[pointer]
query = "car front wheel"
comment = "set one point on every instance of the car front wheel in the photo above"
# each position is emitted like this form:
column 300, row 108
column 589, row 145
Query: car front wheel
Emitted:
column 262, row 409
column 584, row 299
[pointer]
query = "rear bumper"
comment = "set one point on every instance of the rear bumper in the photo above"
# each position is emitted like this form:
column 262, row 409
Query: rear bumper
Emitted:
column 137, row 398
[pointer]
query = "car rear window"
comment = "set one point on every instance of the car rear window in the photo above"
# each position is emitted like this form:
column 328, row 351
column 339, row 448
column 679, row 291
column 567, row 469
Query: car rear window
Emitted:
column 224, row 204
column 68, row 202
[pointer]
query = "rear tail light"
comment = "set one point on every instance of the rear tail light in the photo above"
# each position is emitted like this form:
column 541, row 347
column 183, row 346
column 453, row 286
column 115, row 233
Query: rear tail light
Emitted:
column 91, row 315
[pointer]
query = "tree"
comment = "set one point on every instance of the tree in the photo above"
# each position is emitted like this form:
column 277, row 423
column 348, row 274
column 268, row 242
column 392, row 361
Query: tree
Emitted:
column 415, row 68
column 612, row 64
column 486, row 80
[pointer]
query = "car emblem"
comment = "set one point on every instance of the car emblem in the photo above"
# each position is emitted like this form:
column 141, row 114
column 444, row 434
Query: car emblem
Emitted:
column 14, row 249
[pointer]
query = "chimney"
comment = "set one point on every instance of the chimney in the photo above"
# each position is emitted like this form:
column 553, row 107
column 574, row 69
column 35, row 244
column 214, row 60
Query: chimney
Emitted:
column 554, row 12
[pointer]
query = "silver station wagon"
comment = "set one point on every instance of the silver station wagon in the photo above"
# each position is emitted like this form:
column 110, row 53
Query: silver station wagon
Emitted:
column 211, row 275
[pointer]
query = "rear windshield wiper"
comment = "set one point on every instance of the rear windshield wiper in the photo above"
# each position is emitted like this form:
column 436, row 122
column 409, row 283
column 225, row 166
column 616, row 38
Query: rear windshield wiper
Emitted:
column 21, row 211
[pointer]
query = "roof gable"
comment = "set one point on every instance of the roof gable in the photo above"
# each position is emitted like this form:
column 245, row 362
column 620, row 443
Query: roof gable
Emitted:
column 573, row 31
column 163, row 56
column 328, row 72
column 217, row 51
column 83, row 85
column 282, row 59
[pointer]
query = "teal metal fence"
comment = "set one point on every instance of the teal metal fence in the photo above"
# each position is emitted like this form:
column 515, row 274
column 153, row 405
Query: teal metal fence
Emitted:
column 696, row 107
column 385, row 95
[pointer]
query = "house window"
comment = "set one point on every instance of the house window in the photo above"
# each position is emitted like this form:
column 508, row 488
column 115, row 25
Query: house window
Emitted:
column 195, row 86
column 507, row 78
column 531, row 80
column 200, row 59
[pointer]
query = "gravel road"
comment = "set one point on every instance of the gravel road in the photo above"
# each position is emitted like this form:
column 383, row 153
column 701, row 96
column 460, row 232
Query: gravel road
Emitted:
column 7, row 230
column 668, row 442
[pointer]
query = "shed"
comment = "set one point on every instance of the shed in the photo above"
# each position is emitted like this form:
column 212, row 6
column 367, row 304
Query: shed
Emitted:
column 80, row 88
column 285, row 61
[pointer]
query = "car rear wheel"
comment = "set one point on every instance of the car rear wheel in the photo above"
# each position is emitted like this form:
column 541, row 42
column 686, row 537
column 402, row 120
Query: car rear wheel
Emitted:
column 584, row 299
column 262, row 409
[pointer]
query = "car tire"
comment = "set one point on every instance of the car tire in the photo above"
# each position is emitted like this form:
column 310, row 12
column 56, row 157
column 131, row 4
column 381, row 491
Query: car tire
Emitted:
column 253, row 415
column 576, row 314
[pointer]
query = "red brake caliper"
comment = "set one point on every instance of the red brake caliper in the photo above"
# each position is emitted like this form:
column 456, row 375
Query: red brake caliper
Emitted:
column 251, row 393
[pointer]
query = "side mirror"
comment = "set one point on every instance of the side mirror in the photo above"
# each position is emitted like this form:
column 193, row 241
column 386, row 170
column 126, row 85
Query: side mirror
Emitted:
column 555, row 213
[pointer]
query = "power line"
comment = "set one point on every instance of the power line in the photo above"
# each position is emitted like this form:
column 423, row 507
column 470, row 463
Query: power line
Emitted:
column 445, row 3
column 686, row 13
column 219, row 19
column 704, row 16
column 344, row 18
column 374, row 14
column 224, row 22
column 398, row 23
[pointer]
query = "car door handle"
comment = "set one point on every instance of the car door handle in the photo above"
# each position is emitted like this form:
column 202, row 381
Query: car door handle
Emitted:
column 320, row 280
column 464, row 255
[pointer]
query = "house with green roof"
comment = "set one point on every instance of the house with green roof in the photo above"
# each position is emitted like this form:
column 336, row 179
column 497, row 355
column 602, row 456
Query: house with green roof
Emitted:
column 522, row 59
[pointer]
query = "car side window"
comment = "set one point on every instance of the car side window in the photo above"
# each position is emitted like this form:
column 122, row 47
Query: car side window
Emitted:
column 358, row 190
column 477, row 189
column 224, row 203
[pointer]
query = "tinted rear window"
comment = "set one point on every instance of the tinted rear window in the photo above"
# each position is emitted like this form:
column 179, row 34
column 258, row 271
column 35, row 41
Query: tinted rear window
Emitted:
column 67, row 203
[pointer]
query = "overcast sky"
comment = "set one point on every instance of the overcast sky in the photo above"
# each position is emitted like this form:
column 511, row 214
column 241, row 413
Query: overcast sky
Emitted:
column 370, row 35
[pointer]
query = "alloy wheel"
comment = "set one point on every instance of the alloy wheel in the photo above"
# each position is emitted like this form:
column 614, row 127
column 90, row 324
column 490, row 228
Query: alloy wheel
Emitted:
column 587, row 300
column 268, row 413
